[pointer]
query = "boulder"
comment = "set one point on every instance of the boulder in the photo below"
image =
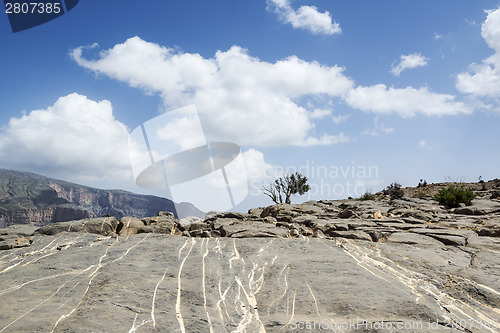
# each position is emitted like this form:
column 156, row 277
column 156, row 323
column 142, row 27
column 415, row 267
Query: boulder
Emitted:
column 470, row 210
column 256, row 211
column 184, row 223
column 12, row 242
column 307, row 220
column 220, row 223
column 227, row 215
column 164, row 213
column 276, row 210
column 252, row 229
column 163, row 219
column 333, row 226
column 19, row 230
column 287, row 210
column 105, row 226
column 129, row 226
column 353, row 234
column 489, row 232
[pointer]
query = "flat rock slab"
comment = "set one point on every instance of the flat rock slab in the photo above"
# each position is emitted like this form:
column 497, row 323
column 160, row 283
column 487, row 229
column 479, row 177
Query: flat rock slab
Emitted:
column 412, row 239
column 80, row 282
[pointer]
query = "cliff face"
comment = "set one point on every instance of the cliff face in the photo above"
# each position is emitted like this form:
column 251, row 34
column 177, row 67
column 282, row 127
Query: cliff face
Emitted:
column 27, row 198
column 41, row 216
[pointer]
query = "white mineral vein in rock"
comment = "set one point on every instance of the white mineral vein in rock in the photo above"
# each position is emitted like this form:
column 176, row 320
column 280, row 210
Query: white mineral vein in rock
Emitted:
column 65, row 295
column 315, row 300
column 91, row 277
column 19, row 286
column 178, row 313
column 293, row 309
column 154, row 298
column 284, row 291
column 12, row 266
column 182, row 248
column 235, row 255
column 222, row 296
column 130, row 248
column 45, row 300
column 449, row 304
column 204, row 284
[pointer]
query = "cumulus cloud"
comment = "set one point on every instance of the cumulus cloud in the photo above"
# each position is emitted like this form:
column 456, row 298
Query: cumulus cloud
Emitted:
column 409, row 61
column 483, row 79
column 75, row 137
column 320, row 113
column 240, row 98
column 405, row 102
column 306, row 17
column 257, row 168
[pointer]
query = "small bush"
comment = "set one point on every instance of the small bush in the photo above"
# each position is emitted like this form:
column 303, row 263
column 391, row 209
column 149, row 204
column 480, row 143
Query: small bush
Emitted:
column 453, row 196
column 367, row 196
column 394, row 191
column 422, row 183
column 419, row 195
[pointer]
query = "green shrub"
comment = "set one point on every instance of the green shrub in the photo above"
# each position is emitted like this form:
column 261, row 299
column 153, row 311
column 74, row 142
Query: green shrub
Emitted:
column 453, row 196
column 367, row 196
column 419, row 195
column 284, row 187
column 394, row 191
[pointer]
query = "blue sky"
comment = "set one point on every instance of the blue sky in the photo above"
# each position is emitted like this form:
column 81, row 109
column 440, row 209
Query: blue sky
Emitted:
column 409, row 89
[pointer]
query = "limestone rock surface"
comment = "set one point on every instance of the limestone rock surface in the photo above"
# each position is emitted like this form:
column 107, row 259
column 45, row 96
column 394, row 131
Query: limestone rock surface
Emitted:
column 282, row 268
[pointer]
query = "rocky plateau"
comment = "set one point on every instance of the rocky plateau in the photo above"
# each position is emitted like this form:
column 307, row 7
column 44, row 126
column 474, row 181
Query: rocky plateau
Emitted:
column 406, row 265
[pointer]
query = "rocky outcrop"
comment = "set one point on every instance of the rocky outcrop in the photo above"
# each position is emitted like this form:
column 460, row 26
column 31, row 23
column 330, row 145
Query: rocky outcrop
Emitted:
column 409, row 265
column 409, row 221
column 16, row 236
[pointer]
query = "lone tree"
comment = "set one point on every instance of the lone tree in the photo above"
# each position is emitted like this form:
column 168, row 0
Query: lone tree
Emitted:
column 284, row 187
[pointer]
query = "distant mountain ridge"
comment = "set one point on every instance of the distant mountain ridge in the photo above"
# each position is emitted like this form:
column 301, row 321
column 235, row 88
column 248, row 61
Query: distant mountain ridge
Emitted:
column 28, row 198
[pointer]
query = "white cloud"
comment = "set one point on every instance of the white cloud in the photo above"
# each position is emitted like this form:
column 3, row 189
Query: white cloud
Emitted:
column 257, row 168
column 326, row 140
column 240, row 98
column 306, row 17
column 437, row 36
column 320, row 113
column 340, row 118
column 409, row 61
column 405, row 102
column 378, row 128
column 484, row 79
column 470, row 22
column 424, row 144
column 259, row 172
column 76, row 137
